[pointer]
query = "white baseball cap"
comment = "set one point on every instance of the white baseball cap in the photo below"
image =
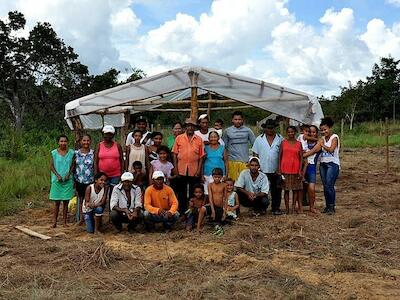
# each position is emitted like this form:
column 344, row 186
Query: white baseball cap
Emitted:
column 108, row 129
column 158, row 174
column 127, row 176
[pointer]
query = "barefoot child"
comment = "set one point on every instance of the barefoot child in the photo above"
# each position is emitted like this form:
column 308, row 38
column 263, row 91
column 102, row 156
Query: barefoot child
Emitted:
column 232, row 199
column 216, row 198
column 195, row 204
column 62, row 185
column 95, row 198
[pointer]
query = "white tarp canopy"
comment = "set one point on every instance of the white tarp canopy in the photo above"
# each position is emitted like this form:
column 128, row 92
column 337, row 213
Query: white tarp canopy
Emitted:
column 108, row 106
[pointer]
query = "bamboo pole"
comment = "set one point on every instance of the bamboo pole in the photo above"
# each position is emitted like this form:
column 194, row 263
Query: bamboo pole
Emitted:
column 387, row 142
column 199, row 109
column 125, row 128
column 209, row 106
column 194, row 105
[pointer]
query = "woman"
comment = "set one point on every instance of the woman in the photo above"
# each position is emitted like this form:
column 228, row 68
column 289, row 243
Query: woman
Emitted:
column 84, row 170
column 109, row 157
column 290, row 167
column 62, row 185
column 329, row 164
column 156, row 138
column 177, row 129
column 216, row 157
column 311, row 170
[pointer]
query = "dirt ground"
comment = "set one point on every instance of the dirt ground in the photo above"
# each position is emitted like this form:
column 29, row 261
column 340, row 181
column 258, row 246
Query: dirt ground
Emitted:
column 354, row 254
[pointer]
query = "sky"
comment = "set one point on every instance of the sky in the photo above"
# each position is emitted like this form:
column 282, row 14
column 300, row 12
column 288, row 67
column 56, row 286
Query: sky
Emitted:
column 311, row 45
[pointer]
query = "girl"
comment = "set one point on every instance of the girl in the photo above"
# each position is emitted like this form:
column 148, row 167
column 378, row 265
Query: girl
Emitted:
column 162, row 164
column 84, row 170
column 216, row 157
column 62, row 185
column 329, row 164
column 95, row 198
column 177, row 129
column 232, row 199
column 290, row 166
column 137, row 152
column 156, row 138
column 311, row 170
column 195, row 204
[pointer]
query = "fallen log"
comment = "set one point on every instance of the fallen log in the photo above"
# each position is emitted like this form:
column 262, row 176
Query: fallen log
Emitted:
column 32, row 233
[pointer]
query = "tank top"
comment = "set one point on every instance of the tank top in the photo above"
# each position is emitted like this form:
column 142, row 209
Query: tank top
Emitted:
column 137, row 154
column 109, row 160
column 214, row 159
column 94, row 198
column 327, row 157
column 231, row 199
column 290, row 163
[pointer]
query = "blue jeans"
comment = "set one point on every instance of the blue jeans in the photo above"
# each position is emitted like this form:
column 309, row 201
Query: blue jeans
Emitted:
column 329, row 173
column 89, row 218
column 150, row 219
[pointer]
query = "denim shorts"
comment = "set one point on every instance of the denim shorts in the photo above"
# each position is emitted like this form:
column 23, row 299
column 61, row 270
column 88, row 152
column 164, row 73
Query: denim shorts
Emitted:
column 311, row 173
column 89, row 218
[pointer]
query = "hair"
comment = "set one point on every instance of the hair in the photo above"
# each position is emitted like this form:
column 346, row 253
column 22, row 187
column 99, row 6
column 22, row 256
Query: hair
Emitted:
column 327, row 121
column 137, row 163
column 291, row 127
column 62, row 136
column 213, row 132
column 86, row 134
column 155, row 133
column 316, row 128
column 230, row 179
column 219, row 121
column 98, row 175
column 302, row 126
column 141, row 120
column 136, row 131
column 254, row 159
column 175, row 123
column 217, row 171
column 163, row 148
column 237, row 113
column 198, row 186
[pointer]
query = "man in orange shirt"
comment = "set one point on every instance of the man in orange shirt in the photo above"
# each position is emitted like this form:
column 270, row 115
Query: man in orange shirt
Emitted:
column 188, row 154
column 160, row 203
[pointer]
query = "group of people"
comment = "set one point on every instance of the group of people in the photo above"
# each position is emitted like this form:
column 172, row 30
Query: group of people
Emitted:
column 200, row 173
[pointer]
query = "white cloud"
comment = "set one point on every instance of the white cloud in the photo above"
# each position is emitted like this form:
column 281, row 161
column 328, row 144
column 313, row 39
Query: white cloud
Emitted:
column 394, row 2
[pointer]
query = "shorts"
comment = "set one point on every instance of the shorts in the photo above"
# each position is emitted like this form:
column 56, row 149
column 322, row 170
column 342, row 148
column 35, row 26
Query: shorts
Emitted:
column 311, row 173
column 219, row 212
column 81, row 189
column 235, row 168
column 207, row 180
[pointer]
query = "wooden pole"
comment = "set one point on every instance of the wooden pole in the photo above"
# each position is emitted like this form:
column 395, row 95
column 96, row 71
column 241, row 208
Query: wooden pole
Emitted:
column 209, row 106
column 387, row 142
column 78, row 131
column 341, row 129
column 125, row 128
column 194, row 106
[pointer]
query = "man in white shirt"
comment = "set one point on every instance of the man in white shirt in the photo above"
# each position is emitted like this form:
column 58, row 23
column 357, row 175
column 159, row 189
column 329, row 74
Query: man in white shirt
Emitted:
column 141, row 124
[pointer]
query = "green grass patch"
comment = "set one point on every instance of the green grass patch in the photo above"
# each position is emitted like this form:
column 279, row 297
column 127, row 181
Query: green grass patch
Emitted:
column 368, row 140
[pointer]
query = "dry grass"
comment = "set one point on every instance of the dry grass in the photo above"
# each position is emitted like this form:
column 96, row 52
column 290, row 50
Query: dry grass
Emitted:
column 352, row 255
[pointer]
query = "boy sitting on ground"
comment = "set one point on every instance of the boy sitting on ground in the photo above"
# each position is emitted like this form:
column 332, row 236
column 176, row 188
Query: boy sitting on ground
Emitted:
column 216, row 198
column 195, row 204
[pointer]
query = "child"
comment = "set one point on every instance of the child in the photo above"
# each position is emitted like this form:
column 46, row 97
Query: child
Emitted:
column 156, row 138
column 139, row 178
column 162, row 164
column 62, row 184
column 136, row 152
column 195, row 204
column 219, row 126
column 232, row 199
column 95, row 198
column 216, row 197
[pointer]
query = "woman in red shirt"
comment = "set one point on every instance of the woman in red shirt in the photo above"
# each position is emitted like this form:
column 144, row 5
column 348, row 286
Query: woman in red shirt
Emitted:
column 290, row 165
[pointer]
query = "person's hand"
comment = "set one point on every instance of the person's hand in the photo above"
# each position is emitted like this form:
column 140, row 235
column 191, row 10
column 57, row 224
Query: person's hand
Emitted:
column 251, row 196
column 213, row 215
column 67, row 177
column 300, row 175
column 321, row 142
column 134, row 214
column 59, row 178
column 169, row 215
column 91, row 205
column 161, row 211
column 198, row 173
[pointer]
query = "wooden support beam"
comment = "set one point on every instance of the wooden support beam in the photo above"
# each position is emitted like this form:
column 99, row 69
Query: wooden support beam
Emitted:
column 194, row 105
column 200, row 108
column 209, row 106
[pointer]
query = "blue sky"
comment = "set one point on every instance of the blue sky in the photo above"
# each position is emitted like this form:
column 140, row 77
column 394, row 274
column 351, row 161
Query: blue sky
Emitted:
column 312, row 45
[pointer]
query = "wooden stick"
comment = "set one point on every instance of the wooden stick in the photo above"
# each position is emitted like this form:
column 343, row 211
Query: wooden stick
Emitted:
column 387, row 142
column 33, row 233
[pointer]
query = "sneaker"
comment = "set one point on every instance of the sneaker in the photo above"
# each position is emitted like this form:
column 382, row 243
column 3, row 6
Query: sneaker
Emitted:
column 277, row 213
column 326, row 210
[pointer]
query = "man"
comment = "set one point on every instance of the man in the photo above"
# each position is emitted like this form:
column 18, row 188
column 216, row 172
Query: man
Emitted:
column 204, row 130
column 266, row 147
column 160, row 203
column 253, row 187
column 141, row 124
column 187, row 153
column 237, row 139
column 126, row 203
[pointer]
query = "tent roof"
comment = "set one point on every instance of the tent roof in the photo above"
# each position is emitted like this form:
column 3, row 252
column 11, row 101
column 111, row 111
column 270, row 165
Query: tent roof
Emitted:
column 175, row 85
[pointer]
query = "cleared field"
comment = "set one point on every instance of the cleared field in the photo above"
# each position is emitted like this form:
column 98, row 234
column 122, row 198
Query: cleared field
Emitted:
column 352, row 255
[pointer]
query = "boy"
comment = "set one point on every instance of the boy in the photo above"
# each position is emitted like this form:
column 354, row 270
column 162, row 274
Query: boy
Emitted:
column 237, row 139
column 139, row 177
column 216, row 198
column 219, row 126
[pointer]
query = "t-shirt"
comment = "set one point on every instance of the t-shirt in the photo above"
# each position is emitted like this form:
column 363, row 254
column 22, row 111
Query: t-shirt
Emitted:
column 130, row 140
column 260, row 185
column 237, row 141
column 155, row 199
column 268, row 154
column 166, row 167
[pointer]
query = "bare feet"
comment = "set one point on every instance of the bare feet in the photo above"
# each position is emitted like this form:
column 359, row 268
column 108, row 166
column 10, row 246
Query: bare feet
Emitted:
column 54, row 225
column 313, row 211
column 65, row 225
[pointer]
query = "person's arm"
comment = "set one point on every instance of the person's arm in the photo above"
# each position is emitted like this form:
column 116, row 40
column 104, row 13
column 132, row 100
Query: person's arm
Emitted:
column 210, row 200
column 71, row 168
column 237, row 204
column 53, row 169
column 264, row 188
column 310, row 138
column 104, row 198
column 128, row 152
column 138, row 198
column 175, row 163
column 114, row 202
column 333, row 146
column 147, row 203
column 226, row 163
column 202, row 155
column 252, row 137
column 121, row 157
column 96, row 159
column 301, row 161
column 280, row 159
column 87, row 196
column 174, row 202
column 147, row 160
column 314, row 150
column 151, row 170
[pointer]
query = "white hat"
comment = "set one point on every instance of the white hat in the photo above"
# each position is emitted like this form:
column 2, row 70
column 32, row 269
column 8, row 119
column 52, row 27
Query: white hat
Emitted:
column 158, row 174
column 108, row 129
column 127, row 176
column 254, row 158
column 203, row 116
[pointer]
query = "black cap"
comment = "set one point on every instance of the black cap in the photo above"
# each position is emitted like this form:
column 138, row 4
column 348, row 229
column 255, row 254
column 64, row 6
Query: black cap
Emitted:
column 141, row 119
column 269, row 124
